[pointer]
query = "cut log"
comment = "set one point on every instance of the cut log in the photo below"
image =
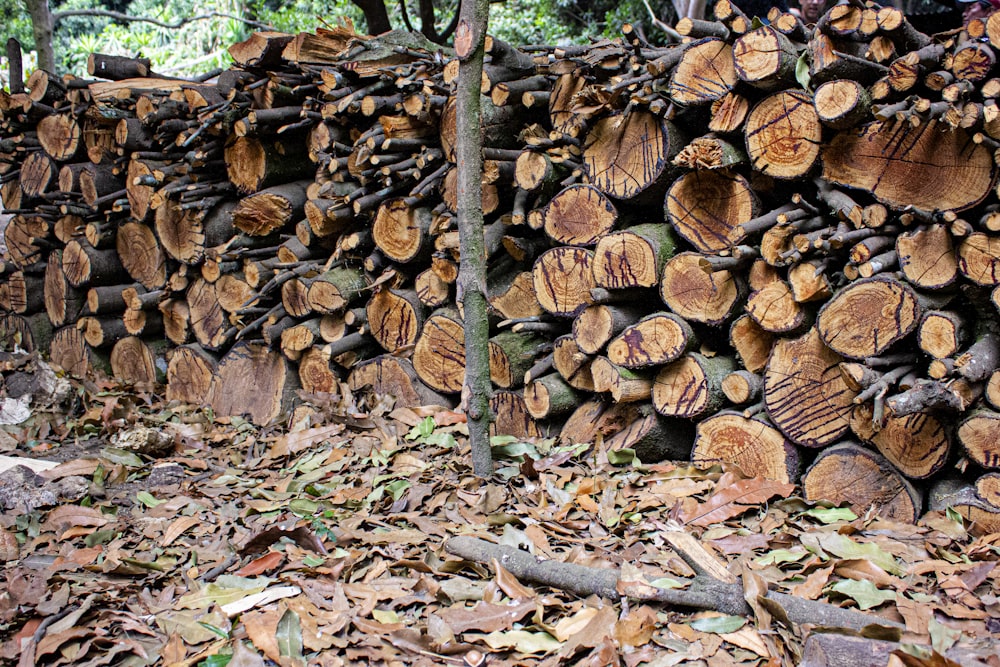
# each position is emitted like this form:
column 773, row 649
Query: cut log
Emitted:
column 402, row 231
column 334, row 290
column 697, row 294
column 60, row 136
column 269, row 210
column 775, row 309
column 706, row 72
column 550, row 396
column 742, row 386
column 901, row 165
column 511, row 417
column 254, row 164
column 653, row 437
column 867, row 317
column 439, row 354
column 207, row 319
column 393, row 376
column 254, row 381
column 784, row 135
column 512, row 295
column 627, row 155
column 63, row 302
column 765, row 58
column 135, row 363
column 707, row 208
column 752, row 344
column 70, row 352
column 511, row 355
column 395, row 319
column 563, row 279
column 189, row 374
column 692, row 385
column 942, row 333
column 599, row 323
column 141, row 255
column 633, row 257
column 752, row 444
column 804, row 392
column 656, row 339
column 979, row 435
column 572, row 363
column 927, row 257
column 849, row 473
column 580, row 215
column 918, row 445
column 624, row 385
column 979, row 259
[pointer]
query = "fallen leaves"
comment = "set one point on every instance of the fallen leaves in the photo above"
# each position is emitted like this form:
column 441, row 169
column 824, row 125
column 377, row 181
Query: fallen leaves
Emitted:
column 321, row 545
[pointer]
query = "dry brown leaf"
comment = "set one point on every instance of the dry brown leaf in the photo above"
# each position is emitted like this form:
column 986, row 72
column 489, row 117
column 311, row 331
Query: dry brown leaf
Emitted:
column 65, row 517
column 735, row 499
column 177, row 528
column 74, row 467
column 509, row 584
column 636, row 628
column 267, row 562
column 261, row 627
column 485, row 617
column 812, row 587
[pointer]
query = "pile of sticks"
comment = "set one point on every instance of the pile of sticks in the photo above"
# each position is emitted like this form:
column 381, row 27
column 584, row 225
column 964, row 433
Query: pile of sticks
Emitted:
column 779, row 242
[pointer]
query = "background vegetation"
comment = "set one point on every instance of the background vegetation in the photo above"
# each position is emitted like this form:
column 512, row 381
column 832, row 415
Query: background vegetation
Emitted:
column 200, row 46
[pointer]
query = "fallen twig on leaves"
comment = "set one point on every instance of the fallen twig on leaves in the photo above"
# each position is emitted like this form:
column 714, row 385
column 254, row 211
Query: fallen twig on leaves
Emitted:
column 704, row 592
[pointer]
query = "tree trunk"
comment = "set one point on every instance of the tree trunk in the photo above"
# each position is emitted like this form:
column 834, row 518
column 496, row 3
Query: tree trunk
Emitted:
column 42, row 27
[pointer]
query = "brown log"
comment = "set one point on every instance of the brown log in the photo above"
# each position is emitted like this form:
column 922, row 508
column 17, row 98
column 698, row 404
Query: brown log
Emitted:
column 63, row 302
column 752, row 444
column 512, row 294
column 334, row 290
column 918, row 445
column 439, row 354
column 978, row 434
column 697, row 294
column 30, row 333
column 774, row 308
column 765, row 58
column 842, row 103
column 135, row 363
column 692, row 385
column 269, row 210
column 563, row 279
column 70, row 352
column 622, row 384
column 402, row 231
column 979, row 259
column 705, row 72
column 254, row 381
column 25, row 238
column 742, row 386
column 919, row 162
column 707, row 208
column 60, row 136
column 141, row 255
column 783, row 135
column 393, row 376
column 23, row 294
column 511, row 355
column 253, row 164
column 572, row 364
column 38, row 174
column 804, row 392
column 867, row 317
column 85, row 265
column 395, row 319
column 208, row 321
column 511, row 417
column 633, row 257
column 942, row 333
column 656, row 339
column 849, row 473
column 550, row 396
column 927, row 257
column 653, row 437
column 616, row 164
column 597, row 324
column 579, row 215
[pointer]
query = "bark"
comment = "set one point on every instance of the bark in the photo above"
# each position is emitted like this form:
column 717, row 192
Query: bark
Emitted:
column 469, row 45
column 705, row 592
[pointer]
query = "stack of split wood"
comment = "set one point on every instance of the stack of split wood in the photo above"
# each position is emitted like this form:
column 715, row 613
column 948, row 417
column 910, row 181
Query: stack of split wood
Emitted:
column 781, row 243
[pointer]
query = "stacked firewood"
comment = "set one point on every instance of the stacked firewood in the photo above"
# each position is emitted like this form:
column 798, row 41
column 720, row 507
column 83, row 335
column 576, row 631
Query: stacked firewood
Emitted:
column 779, row 242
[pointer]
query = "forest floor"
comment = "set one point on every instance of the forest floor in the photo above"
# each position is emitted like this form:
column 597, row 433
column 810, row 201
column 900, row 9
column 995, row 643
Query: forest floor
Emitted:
column 151, row 533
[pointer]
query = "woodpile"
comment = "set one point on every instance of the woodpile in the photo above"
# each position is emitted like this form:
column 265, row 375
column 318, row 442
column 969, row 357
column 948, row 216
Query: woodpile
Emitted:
column 778, row 243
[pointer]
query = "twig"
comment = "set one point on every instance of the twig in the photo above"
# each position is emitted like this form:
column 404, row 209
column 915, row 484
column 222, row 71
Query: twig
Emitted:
column 704, row 592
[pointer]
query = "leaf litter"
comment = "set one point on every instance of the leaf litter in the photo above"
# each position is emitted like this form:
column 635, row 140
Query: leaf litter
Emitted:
column 164, row 536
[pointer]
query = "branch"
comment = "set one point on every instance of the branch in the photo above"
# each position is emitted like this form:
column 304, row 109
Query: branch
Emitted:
column 118, row 16
column 673, row 34
column 704, row 591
